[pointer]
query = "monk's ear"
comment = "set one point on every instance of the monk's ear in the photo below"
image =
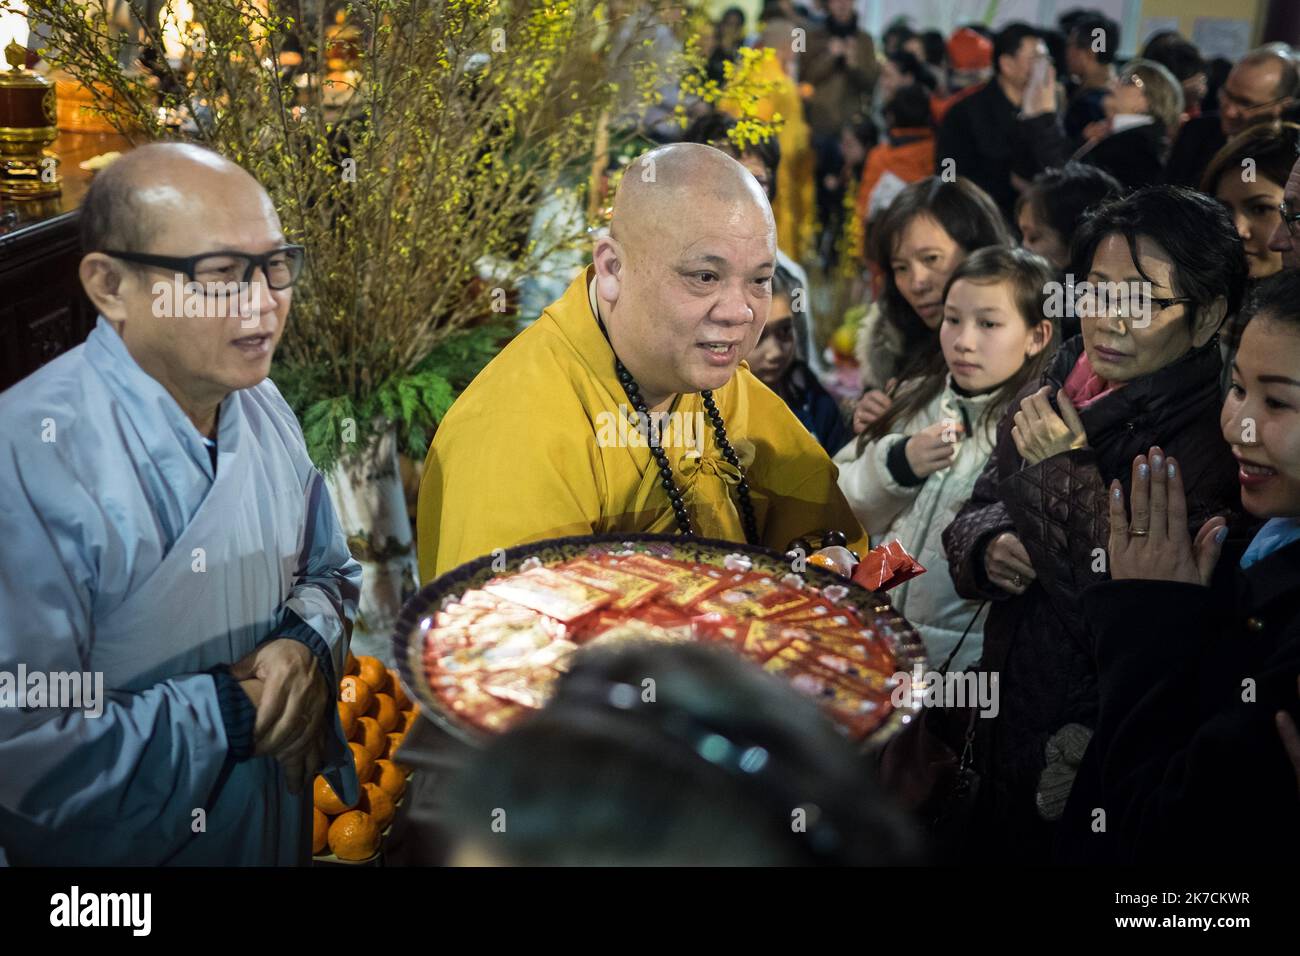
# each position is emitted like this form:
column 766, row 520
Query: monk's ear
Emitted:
column 103, row 279
column 608, row 259
column 1208, row 321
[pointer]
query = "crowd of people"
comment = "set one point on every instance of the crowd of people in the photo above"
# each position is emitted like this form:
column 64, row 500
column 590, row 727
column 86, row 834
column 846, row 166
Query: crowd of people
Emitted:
column 1077, row 405
column 1075, row 269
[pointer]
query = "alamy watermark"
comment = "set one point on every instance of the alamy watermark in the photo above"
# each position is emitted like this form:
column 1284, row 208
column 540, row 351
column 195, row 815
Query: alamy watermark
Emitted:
column 1087, row 300
column 977, row 689
column 64, row 690
column 212, row 300
column 618, row 430
column 74, row 908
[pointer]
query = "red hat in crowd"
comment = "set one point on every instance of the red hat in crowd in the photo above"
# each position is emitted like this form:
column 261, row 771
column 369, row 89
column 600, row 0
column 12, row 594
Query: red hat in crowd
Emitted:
column 970, row 50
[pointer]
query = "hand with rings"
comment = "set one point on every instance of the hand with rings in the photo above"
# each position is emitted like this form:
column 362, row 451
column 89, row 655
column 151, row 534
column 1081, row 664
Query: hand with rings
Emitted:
column 1151, row 542
column 1007, row 564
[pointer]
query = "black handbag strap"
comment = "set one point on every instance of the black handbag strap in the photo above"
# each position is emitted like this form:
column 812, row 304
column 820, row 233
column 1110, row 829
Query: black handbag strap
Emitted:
column 943, row 668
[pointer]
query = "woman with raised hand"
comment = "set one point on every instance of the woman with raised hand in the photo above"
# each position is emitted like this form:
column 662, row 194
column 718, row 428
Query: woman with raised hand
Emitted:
column 926, row 232
column 914, row 468
column 1164, row 266
column 1197, row 651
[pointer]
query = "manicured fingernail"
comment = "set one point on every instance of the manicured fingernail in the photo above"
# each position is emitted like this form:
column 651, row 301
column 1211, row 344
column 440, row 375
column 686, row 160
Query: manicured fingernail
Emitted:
column 1171, row 469
column 1156, row 461
column 1116, row 492
column 1221, row 535
column 1143, row 470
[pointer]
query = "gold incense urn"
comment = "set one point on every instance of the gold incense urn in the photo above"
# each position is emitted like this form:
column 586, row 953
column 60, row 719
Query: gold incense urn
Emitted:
column 28, row 127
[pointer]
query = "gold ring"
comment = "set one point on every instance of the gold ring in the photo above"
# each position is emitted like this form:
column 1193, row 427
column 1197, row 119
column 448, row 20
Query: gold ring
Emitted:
column 1137, row 533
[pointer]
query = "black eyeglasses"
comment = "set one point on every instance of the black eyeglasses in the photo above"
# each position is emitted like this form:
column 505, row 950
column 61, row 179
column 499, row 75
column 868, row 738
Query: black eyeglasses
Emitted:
column 1289, row 218
column 282, row 266
column 1088, row 303
column 1245, row 106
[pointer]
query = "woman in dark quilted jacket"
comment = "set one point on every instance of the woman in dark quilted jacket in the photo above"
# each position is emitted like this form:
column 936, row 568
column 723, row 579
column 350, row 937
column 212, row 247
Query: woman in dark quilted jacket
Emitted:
column 1163, row 268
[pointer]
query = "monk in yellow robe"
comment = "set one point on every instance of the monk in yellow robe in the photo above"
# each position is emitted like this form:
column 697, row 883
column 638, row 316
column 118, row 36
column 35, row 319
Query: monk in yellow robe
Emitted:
column 545, row 441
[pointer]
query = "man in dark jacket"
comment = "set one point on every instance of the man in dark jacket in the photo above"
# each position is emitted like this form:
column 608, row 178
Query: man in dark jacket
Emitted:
column 984, row 134
column 1055, row 510
column 1261, row 87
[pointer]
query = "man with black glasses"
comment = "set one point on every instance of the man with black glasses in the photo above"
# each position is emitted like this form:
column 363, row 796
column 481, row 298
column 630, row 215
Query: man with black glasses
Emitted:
column 165, row 531
column 1262, row 86
column 1286, row 237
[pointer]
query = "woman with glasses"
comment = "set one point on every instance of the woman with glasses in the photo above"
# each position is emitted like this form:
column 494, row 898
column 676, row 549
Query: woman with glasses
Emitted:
column 1191, row 763
column 1143, row 109
column 1164, row 267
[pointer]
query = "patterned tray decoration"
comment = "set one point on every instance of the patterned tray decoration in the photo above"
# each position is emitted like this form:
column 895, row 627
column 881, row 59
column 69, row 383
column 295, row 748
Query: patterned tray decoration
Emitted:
column 884, row 633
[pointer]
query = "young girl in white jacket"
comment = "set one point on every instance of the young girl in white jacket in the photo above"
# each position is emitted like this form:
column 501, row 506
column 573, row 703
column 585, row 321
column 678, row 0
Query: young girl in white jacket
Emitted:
column 912, row 470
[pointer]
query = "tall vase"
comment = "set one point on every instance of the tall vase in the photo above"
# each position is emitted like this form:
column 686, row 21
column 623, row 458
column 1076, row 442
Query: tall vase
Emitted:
column 367, row 491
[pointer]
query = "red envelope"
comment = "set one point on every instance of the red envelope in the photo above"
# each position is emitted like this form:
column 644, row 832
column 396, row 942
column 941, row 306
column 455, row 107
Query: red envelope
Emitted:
column 886, row 566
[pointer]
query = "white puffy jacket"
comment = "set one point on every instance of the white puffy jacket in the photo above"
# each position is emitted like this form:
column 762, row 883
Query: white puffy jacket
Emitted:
column 917, row 516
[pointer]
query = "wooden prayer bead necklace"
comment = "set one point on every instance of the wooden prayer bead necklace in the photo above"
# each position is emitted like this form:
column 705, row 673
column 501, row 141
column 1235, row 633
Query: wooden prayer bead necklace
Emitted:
column 661, row 458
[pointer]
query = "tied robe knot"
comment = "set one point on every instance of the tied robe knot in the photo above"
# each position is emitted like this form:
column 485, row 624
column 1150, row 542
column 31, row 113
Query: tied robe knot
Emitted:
column 694, row 464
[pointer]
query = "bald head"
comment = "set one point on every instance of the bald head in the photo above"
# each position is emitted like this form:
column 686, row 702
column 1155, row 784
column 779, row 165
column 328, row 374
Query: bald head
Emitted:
column 673, row 190
column 684, row 279
column 209, row 323
column 1279, row 63
column 156, row 186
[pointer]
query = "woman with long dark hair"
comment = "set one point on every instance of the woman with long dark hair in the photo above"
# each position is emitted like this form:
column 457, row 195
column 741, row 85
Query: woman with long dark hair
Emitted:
column 929, row 228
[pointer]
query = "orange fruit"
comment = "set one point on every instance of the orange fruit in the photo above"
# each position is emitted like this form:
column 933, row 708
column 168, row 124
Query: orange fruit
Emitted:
column 376, row 802
column 357, row 692
column 408, row 719
column 320, row 828
column 348, row 718
column 371, row 737
column 362, row 760
column 384, row 709
column 354, row 836
column 373, row 673
column 393, row 742
column 325, row 799
column 351, row 666
column 395, row 688
column 390, row 777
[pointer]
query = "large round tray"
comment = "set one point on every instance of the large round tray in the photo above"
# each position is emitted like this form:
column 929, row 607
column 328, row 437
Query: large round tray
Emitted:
column 872, row 608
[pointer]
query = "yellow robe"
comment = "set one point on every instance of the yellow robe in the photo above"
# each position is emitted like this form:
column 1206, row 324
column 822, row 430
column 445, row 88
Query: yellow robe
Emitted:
column 533, row 450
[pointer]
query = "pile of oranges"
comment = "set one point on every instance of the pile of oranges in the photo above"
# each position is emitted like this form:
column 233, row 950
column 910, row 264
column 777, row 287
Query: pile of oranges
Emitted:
column 376, row 715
